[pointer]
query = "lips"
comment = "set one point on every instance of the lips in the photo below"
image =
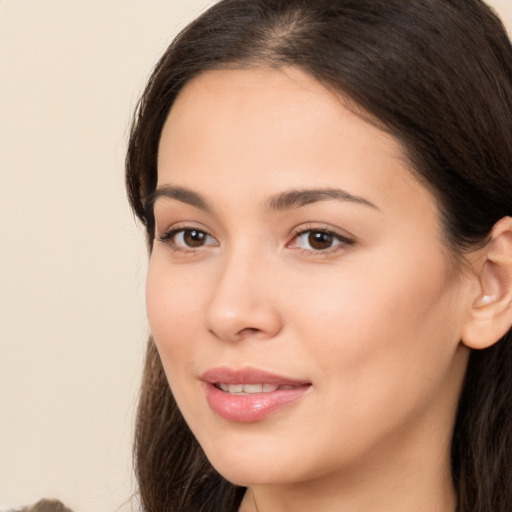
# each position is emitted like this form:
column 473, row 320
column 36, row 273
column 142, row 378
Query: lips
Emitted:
column 248, row 395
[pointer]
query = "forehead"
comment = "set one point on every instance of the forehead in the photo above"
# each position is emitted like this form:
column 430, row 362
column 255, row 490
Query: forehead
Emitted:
column 278, row 94
column 260, row 131
column 271, row 109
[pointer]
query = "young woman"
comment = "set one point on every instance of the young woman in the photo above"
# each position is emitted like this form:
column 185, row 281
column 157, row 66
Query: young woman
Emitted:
column 327, row 192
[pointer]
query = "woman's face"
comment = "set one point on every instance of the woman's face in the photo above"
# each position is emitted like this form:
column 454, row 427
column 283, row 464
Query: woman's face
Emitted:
column 299, row 291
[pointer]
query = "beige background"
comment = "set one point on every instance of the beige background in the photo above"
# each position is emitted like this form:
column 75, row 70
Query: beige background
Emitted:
column 72, row 321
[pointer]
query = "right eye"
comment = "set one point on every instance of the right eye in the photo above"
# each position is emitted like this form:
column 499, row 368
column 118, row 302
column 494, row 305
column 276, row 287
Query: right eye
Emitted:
column 187, row 238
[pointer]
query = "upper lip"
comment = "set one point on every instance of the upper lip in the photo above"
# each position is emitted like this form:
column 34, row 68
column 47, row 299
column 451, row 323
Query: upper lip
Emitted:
column 248, row 375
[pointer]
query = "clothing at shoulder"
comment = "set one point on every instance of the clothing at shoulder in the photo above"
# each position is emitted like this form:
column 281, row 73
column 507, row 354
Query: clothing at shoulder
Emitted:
column 46, row 506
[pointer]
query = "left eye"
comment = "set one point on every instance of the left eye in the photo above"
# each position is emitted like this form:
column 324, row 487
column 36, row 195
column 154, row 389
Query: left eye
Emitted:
column 319, row 240
column 188, row 238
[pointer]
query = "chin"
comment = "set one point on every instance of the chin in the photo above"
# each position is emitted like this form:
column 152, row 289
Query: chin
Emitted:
column 246, row 475
column 252, row 465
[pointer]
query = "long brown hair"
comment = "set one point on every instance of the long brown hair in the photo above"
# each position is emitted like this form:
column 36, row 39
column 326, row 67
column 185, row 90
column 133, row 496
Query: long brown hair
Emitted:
column 437, row 74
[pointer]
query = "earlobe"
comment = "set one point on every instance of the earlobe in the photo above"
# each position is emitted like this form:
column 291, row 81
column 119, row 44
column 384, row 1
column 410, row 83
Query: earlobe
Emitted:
column 483, row 300
column 490, row 317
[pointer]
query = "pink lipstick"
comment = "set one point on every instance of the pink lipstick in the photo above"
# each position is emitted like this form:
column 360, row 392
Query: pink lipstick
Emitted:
column 248, row 395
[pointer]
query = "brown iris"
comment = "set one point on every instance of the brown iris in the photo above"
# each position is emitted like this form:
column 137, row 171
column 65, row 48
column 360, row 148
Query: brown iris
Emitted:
column 320, row 240
column 194, row 238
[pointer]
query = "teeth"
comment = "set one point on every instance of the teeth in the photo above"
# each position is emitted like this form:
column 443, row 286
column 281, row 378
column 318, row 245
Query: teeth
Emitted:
column 253, row 388
column 247, row 389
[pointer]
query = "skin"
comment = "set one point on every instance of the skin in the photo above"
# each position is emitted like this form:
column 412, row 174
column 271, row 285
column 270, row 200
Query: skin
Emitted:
column 373, row 324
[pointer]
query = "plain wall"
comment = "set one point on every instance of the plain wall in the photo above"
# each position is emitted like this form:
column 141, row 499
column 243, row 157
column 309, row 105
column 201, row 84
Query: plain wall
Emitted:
column 73, row 325
column 72, row 320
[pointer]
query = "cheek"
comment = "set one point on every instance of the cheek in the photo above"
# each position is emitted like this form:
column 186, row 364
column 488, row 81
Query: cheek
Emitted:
column 381, row 350
column 172, row 300
column 172, row 308
column 387, row 325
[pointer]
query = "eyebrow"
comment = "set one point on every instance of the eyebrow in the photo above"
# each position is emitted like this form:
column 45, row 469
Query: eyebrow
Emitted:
column 298, row 198
column 184, row 195
column 283, row 201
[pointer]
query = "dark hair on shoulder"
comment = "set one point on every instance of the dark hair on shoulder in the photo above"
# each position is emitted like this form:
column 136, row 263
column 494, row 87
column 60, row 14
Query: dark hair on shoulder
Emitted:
column 436, row 74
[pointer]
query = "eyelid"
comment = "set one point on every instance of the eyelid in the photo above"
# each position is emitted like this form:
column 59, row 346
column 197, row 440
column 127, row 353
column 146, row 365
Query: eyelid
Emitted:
column 345, row 239
column 179, row 226
column 170, row 232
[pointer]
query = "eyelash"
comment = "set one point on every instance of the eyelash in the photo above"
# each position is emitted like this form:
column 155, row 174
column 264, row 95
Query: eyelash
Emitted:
column 169, row 238
column 342, row 241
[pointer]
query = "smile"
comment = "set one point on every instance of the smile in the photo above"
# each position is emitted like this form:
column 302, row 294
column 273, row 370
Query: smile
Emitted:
column 249, row 389
column 250, row 395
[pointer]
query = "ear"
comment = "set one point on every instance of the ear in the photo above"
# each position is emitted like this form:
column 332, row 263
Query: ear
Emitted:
column 490, row 317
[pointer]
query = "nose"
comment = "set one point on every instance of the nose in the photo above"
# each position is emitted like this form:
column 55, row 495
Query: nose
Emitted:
column 243, row 302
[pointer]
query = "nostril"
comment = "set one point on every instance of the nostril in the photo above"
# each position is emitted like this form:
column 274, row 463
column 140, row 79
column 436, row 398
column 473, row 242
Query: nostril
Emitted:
column 248, row 331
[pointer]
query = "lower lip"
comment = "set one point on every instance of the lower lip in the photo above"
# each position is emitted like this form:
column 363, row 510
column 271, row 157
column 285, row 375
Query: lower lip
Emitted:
column 251, row 407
